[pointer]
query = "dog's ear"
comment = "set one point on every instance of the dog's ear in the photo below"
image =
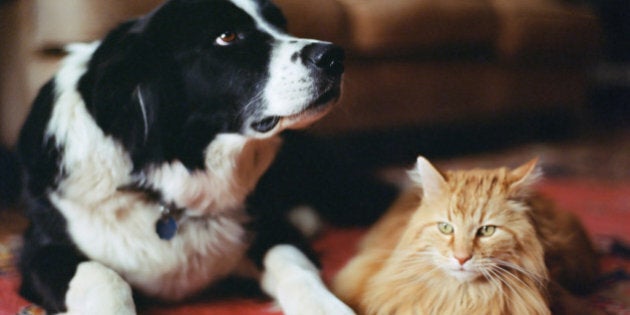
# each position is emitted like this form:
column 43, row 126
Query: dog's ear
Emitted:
column 124, row 92
column 146, row 105
column 155, row 124
column 140, row 25
column 273, row 14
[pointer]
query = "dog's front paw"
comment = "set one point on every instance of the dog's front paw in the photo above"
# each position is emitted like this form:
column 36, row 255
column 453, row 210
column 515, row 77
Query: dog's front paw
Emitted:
column 310, row 298
column 326, row 304
column 295, row 283
column 98, row 290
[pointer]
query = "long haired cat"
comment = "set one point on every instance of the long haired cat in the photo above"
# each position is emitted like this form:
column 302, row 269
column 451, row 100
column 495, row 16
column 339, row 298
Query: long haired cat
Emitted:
column 468, row 242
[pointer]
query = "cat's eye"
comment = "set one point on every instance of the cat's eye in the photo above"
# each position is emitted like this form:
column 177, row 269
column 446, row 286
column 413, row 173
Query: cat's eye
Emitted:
column 226, row 38
column 445, row 228
column 486, row 230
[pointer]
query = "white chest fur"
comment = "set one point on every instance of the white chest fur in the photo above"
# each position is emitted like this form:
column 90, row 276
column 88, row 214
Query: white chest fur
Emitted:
column 121, row 235
column 117, row 228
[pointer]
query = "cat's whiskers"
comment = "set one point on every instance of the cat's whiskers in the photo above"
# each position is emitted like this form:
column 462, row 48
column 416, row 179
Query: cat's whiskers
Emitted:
column 525, row 285
column 503, row 271
column 396, row 252
column 410, row 262
column 498, row 273
column 507, row 267
column 491, row 279
column 403, row 273
column 540, row 280
column 426, row 275
column 413, row 257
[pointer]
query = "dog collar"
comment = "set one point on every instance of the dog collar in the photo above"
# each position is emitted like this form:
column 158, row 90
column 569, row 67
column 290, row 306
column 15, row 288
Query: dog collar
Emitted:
column 168, row 224
column 171, row 216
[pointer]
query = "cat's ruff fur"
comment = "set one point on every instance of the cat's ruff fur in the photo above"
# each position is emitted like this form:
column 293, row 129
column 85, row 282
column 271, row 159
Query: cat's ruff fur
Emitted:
column 183, row 108
column 406, row 266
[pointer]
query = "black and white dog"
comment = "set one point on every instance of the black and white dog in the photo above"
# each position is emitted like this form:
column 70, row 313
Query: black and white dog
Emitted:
column 139, row 156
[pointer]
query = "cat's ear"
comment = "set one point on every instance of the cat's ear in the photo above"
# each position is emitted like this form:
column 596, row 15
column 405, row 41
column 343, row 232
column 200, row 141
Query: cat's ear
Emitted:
column 426, row 176
column 524, row 176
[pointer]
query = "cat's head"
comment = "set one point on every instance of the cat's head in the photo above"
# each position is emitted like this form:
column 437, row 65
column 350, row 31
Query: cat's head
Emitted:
column 474, row 224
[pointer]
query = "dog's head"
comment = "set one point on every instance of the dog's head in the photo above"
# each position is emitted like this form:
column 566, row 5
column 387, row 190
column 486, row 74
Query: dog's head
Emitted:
column 168, row 83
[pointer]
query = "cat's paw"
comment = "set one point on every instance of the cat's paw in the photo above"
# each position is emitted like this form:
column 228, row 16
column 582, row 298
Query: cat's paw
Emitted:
column 98, row 290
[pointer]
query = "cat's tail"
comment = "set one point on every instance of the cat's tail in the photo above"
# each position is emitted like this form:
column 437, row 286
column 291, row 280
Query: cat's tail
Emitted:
column 10, row 179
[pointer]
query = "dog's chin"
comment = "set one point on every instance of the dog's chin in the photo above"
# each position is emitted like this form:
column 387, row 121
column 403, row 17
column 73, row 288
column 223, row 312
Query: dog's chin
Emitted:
column 302, row 119
column 305, row 118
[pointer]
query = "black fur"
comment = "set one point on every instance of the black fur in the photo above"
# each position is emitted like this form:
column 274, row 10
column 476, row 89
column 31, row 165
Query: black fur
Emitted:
column 326, row 175
column 10, row 178
column 40, row 155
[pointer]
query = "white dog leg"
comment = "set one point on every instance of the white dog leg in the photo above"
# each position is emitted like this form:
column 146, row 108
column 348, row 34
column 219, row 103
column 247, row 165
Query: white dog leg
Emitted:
column 295, row 283
column 98, row 290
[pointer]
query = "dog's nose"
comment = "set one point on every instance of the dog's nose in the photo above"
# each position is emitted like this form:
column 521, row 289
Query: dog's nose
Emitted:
column 325, row 56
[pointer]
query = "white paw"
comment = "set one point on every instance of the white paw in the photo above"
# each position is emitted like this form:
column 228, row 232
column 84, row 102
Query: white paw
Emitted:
column 98, row 290
column 295, row 284
column 306, row 299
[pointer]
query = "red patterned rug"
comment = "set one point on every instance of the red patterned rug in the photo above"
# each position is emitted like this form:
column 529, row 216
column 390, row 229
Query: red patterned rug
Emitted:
column 604, row 207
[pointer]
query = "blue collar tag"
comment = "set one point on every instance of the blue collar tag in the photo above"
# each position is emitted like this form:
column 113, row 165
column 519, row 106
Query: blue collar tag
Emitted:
column 166, row 228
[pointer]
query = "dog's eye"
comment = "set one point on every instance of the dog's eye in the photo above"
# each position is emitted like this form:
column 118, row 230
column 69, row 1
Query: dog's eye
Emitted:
column 226, row 38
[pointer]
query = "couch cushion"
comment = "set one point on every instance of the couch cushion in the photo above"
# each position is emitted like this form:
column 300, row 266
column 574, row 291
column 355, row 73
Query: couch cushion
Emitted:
column 383, row 27
column 546, row 29
column 59, row 22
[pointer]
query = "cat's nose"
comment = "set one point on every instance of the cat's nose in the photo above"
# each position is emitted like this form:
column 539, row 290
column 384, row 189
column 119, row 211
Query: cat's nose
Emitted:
column 463, row 258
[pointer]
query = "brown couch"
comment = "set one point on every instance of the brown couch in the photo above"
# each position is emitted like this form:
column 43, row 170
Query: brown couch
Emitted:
column 411, row 62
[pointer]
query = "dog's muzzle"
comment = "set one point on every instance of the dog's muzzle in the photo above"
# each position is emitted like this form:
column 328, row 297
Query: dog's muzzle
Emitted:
column 325, row 61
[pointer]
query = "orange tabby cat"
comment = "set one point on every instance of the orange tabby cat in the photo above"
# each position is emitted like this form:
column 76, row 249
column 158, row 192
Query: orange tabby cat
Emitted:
column 468, row 242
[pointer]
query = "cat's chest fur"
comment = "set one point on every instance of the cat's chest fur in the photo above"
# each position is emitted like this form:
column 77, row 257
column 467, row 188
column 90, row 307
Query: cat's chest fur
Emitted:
column 442, row 294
